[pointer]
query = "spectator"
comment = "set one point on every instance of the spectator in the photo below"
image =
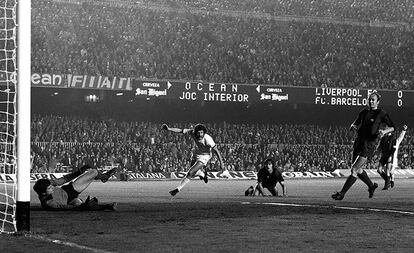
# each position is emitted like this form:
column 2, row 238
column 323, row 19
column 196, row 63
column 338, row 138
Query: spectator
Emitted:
column 103, row 39
column 294, row 147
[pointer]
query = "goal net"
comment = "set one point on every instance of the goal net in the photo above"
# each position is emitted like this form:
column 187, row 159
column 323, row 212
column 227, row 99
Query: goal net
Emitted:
column 8, row 119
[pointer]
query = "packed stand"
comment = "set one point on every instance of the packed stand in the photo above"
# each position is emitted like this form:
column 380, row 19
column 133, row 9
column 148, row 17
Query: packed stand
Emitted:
column 162, row 44
column 362, row 10
column 62, row 142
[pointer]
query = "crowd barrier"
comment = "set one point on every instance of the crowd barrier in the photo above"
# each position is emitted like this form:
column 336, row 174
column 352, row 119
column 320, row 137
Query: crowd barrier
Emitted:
column 234, row 175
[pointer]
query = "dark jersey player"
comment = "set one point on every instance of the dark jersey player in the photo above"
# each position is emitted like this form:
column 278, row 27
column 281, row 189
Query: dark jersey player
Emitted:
column 63, row 193
column 267, row 178
column 387, row 149
column 368, row 133
column 389, row 146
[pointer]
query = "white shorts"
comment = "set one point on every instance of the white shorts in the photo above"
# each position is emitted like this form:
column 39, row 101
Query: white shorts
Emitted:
column 203, row 159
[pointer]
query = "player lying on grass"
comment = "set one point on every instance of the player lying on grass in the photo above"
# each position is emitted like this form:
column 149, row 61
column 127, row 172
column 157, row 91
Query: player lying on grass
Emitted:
column 267, row 178
column 389, row 146
column 201, row 154
column 368, row 133
column 63, row 193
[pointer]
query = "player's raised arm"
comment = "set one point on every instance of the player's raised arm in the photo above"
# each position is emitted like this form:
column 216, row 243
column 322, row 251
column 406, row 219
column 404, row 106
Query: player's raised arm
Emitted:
column 174, row 129
column 402, row 134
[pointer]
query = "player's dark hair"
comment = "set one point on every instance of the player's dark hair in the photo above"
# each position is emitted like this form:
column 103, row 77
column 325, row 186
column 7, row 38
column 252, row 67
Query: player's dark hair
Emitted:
column 41, row 185
column 271, row 160
column 200, row 127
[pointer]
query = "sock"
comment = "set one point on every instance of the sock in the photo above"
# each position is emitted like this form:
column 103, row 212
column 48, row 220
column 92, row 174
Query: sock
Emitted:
column 183, row 182
column 387, row 180
column 364, row 177
column 382, row 174
column 73, row 175
column 101, row 176
column 348, row 183
column 84, row 168
column 200, row 173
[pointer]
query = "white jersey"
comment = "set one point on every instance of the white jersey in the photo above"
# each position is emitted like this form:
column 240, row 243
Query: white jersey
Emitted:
column 397, row 146
column 203, row 146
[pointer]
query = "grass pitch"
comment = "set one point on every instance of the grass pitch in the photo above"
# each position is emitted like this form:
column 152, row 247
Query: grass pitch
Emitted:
column 217, row 217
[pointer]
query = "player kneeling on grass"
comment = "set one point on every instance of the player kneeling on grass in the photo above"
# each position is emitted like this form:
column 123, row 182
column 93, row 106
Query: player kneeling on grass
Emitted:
column 56, row 194
column 201, row 154
column 267, row 177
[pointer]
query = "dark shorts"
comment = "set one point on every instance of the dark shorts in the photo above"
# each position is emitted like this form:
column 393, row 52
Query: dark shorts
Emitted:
column 72, row 193
column 269, row 185
column 363, row 148
column 385, row 158
column 387, row 152
column 271, row 189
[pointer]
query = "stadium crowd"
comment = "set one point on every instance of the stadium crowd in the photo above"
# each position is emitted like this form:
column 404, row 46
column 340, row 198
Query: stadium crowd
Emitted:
column 185, row 40
column 148, row 43
column 59, row 142
column 363, row 10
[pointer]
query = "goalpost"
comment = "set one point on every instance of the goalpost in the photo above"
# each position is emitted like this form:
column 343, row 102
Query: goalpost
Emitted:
column 15, row 85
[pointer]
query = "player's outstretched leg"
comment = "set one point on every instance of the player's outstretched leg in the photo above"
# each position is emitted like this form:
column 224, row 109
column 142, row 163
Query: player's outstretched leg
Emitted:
column 104, row 177
column 205, row 178
column 174, row 192
column 347, row 185
column 355, row 171
column 82, row 182
column 392, row 177
column 387, row 183
column 76, row 173
column 371, row 190
column 190, row 174
column 202, row 175
column 183, row 182
column 388, row 174
column 383, row 176
column 371, row 186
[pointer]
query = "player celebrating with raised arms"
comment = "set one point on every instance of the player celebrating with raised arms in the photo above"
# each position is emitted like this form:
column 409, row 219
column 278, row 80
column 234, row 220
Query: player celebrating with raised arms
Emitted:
column 201, row 154
column 368, row 131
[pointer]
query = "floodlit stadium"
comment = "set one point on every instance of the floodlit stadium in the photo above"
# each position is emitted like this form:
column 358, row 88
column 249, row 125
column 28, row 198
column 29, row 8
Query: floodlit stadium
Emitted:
column 206, row 126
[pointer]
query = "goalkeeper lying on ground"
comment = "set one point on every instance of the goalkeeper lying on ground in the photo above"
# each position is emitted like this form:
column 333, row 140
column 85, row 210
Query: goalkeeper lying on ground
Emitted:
column 55, row 194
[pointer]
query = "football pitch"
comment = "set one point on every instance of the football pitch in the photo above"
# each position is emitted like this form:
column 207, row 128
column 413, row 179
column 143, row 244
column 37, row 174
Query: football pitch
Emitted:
column 217, row 217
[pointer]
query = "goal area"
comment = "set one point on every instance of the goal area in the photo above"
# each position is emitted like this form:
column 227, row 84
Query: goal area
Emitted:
column 15, row 115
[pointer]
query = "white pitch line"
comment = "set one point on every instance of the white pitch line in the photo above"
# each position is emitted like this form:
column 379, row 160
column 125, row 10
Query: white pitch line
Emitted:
column 334, row 207
column 69, row 244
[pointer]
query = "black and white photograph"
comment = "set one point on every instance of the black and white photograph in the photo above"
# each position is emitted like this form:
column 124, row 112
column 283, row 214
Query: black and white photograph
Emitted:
column 206, row 126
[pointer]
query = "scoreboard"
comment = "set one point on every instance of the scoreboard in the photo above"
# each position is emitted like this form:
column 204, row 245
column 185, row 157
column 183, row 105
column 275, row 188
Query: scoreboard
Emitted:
column 250, row 93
